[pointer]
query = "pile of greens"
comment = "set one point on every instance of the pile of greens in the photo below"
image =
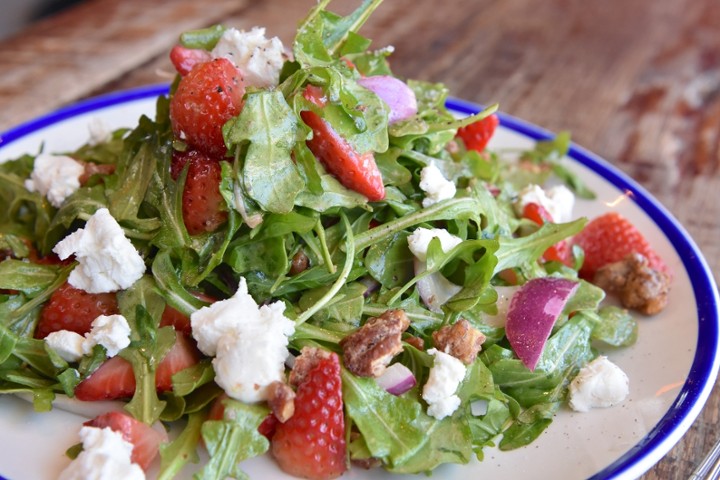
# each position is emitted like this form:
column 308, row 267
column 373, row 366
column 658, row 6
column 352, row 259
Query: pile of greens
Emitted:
column 281, row 201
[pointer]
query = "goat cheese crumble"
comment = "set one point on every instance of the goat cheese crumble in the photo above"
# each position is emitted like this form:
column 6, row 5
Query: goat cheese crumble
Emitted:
column 107, row 260
column 419, row 241
column 436, row 187
column 55, row 177
column 249, row 343
column 110, row 331
column 259, row 58
column 599, row 384
column 106, row 455
column 439, row 391
column 558, row 201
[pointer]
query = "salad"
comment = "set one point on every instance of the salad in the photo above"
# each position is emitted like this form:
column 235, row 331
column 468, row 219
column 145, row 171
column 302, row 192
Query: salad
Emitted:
column 305, row 256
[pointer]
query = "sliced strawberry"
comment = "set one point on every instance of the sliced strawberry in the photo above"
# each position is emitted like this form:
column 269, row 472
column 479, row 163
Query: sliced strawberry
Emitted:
column 316, row 95
column 611, row 237
column 477, row 135
column 115, row 378
column 311, row 444
column 112, row 380
column 203, row 206
column 205, row 99
column 182, row 355
column 356, row 172
column 179, row 321
column 73, row 309
column 145, row 439
column 561, row 251
column 185, row 59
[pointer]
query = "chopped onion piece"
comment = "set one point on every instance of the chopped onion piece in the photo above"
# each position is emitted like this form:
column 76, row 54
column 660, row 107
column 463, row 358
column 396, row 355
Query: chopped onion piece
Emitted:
column 534, row 309
column 396, row 379
column 434, row 290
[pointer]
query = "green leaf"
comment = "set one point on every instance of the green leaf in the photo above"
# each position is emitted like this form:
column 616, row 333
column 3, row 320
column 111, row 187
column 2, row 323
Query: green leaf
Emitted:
column 232, row 440
column 183, row 449
column 267, row 128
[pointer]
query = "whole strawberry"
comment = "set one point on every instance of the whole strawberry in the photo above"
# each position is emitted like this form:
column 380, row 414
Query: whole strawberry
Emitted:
column 609, row 238
column 311, row 444
column 207, row 97
column 73, row 309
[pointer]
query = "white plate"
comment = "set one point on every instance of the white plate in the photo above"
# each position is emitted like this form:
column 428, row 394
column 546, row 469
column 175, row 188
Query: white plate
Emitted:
column 672, row 368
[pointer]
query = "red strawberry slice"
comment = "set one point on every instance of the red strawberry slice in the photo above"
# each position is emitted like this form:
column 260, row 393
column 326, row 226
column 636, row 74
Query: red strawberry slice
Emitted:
column 477, row 135
column 355, row 171
column 115, row 378
column 207, row 97
column 73, row 309
column 182, row 355
column 112, row 380
column 185, row 59
column 611, row 237
column 203, row 207
column 145, row 439
column 561, row 251
column 311, row 444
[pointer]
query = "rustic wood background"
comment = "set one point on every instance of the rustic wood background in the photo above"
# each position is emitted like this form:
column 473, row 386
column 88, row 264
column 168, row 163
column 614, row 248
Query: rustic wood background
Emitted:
column 635, row 81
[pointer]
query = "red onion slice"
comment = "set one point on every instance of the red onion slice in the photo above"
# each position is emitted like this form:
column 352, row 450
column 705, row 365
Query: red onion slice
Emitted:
column 396, row 379
column 398, row 96
column 534, row 309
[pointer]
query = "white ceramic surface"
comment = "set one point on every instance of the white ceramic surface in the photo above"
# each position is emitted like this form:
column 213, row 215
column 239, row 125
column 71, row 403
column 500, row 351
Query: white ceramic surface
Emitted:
column 671, row 371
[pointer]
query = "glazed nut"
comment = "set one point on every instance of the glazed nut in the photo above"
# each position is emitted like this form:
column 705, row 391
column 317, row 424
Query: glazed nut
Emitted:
column 369, row 350
column 461, row 340
column 281, row 399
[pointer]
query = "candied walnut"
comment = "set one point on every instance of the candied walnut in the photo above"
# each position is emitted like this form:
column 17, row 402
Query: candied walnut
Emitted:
column 368, row 351
column 307, row 360
column 639, row 286
column 281, row 399
column 300, row 262
column 416, row 342
column 461, row 340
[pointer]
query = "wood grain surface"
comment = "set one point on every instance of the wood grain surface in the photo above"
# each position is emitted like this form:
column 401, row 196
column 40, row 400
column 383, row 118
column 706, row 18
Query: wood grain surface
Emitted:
column 635, row 81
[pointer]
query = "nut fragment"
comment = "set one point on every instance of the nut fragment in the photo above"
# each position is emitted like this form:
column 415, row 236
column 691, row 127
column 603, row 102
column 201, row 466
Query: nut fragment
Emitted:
column 639, row 286
column 461, row 340
column 281, row 399
column 368, row 351
column 307, row 360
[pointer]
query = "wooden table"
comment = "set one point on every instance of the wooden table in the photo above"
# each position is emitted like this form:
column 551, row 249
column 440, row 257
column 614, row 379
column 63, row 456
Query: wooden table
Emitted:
column 636, row 81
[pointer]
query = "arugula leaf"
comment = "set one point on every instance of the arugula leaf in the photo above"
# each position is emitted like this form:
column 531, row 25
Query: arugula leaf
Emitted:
column 269, row 127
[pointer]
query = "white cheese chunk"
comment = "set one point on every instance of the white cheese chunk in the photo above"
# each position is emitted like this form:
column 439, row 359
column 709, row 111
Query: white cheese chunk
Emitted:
column 436, row 187
column 107, row 260
column 110, row 331
column 56, row 177
column 599, row 384
column 439, row 391
column 105, row 456
column 67, row 344
column 259, row 58
column 419, row 241
column 249, row 343
column 558, row 201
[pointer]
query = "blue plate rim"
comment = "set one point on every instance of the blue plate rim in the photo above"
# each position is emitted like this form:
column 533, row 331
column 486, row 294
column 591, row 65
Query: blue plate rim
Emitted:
column 704, row 369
